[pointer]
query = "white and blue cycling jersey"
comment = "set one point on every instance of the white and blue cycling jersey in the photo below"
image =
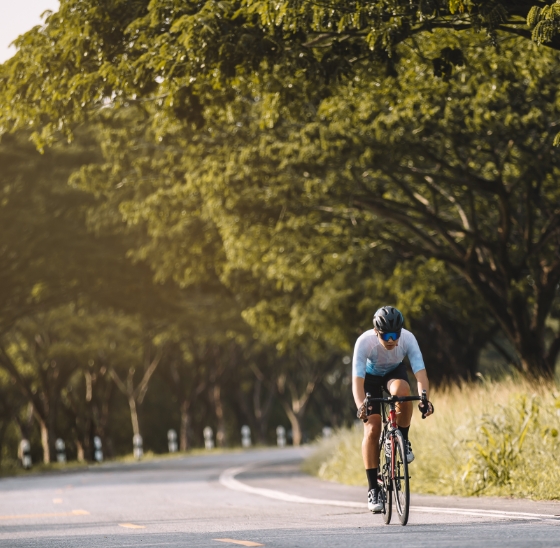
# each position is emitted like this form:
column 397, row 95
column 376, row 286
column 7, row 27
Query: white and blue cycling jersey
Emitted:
column 370, row 356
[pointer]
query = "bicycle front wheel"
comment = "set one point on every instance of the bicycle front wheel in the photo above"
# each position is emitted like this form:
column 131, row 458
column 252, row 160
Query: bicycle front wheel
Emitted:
column 384, row 481
column 401, row 482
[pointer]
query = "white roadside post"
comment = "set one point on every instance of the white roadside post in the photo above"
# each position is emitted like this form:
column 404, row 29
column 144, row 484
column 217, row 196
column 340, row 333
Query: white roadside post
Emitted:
column 245, row 436
column 208, row 438
column 281, row 436
column 327, row 432
column 172, row 441
column 98, row 453
column 60, row 451
column 138, row 449
column 25, row 453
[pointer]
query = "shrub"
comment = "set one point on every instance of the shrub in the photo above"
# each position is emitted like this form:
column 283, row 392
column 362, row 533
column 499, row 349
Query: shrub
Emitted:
column 484, row 439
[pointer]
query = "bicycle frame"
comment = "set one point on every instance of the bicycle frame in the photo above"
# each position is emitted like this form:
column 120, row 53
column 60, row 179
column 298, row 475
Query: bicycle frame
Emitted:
column 389, row 426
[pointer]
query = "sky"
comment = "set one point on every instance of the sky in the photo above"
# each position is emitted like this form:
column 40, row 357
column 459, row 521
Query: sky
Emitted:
column 17, row 17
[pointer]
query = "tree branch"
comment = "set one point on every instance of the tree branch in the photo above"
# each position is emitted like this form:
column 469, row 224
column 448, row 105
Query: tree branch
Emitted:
column 142, row 387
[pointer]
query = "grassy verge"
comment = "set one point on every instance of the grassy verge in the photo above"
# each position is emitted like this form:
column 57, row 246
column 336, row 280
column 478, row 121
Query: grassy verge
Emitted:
column 12, row 467
column 484, row 439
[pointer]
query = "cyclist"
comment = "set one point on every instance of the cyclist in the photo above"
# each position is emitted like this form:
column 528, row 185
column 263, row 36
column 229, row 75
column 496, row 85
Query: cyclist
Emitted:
column 377, row 364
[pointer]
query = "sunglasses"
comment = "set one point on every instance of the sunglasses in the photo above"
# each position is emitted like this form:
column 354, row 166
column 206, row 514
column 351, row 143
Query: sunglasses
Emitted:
column 390, row 336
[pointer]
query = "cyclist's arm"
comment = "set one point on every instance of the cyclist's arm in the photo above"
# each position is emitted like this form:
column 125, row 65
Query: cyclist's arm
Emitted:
column 423, row 383
column 358, row 390
column 359, row 369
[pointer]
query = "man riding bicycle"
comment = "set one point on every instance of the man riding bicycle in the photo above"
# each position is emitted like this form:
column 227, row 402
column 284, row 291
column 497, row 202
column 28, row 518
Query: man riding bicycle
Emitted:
column 378, row 364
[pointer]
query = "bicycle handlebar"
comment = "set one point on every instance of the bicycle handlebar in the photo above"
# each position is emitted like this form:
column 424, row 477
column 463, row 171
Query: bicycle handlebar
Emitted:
column 396, row 399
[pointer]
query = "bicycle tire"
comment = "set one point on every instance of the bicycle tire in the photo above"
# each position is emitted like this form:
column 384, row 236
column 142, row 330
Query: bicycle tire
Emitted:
column 401, row 481
column 385, row 483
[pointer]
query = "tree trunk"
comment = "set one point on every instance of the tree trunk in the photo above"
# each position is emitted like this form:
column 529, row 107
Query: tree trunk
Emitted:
column 534, row 366
column 295, row 402
column 3, row 429
column 45, row 441
column 295, row 422
column 103, row 420
column 530, row 347
column 80, row 451
column 185, row 423
column 134, row 416
column 221, row 432
column 262, row 409
column 51, row 424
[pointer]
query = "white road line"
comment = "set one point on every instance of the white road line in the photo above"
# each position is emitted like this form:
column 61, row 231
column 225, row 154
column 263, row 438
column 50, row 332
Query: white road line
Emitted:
column 227, row 479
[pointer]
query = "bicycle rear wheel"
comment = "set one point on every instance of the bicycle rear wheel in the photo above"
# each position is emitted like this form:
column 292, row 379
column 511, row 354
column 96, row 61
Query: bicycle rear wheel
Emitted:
column 384, row 482
column 401, row 482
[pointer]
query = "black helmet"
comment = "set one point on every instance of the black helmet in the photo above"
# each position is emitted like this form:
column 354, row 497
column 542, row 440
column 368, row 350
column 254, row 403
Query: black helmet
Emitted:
column 388, row 319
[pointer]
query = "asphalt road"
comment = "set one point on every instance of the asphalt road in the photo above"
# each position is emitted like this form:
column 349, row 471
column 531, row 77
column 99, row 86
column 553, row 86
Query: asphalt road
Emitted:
column 250, row 498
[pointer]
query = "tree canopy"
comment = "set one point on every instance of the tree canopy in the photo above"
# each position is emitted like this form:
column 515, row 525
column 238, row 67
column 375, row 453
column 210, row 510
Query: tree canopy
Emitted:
column 186, row 56
column 234, row 188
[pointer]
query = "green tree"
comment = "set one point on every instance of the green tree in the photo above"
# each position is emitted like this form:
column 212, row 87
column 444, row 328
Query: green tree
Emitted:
column 37, row 212
column 41, row 354
column 461, row 171
column 186, row 56
column 12, row 404
column 284, row 125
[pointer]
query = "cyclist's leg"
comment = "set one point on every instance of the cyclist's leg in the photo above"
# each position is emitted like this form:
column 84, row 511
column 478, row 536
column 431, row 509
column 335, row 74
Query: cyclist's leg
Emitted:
column 397, row 385
column 372, row 428
column 370, row 443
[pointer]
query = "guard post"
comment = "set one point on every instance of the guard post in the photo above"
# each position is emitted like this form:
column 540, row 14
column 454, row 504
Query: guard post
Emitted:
column 172, row 441
column 25, row 453
column 98, row 449
column 208, row 438
column 281, row 436
column 138, row 446
column 60, row 451
column 245, row 436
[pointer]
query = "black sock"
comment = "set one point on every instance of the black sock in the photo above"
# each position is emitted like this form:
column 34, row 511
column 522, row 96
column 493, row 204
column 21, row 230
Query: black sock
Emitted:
column 371, row 474
column 404, row 431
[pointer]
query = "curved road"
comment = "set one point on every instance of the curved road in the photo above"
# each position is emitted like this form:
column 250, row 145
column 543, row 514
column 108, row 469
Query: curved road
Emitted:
column 252, row 498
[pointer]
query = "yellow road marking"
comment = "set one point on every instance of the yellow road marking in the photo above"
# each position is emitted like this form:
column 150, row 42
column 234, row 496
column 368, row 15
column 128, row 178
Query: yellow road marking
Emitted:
column 241, row 542
column 51, row 515
column 57, row 501
column 131, row 526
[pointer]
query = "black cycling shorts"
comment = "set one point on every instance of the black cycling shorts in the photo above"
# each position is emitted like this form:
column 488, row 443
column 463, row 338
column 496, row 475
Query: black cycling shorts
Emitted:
column 374, row 384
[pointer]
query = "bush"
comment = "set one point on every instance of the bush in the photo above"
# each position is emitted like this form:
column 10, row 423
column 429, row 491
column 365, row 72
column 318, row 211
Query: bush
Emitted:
column 484, row 439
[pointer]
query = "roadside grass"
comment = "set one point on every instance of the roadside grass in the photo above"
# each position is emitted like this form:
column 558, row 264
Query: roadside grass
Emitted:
column 490, row 438
column 12, row 467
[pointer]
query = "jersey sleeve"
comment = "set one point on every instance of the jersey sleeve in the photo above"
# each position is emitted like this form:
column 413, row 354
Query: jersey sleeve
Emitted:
column 360, row 357
column 414, row 354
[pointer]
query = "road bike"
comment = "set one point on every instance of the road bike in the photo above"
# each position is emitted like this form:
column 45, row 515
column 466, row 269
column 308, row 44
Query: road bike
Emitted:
column 393, row 478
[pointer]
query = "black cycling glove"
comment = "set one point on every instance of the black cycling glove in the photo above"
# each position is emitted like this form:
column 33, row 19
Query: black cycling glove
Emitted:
column 424, row 407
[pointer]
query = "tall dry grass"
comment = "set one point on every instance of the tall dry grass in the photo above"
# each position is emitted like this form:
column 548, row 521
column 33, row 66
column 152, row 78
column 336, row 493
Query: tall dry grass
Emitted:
column 488, row 438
